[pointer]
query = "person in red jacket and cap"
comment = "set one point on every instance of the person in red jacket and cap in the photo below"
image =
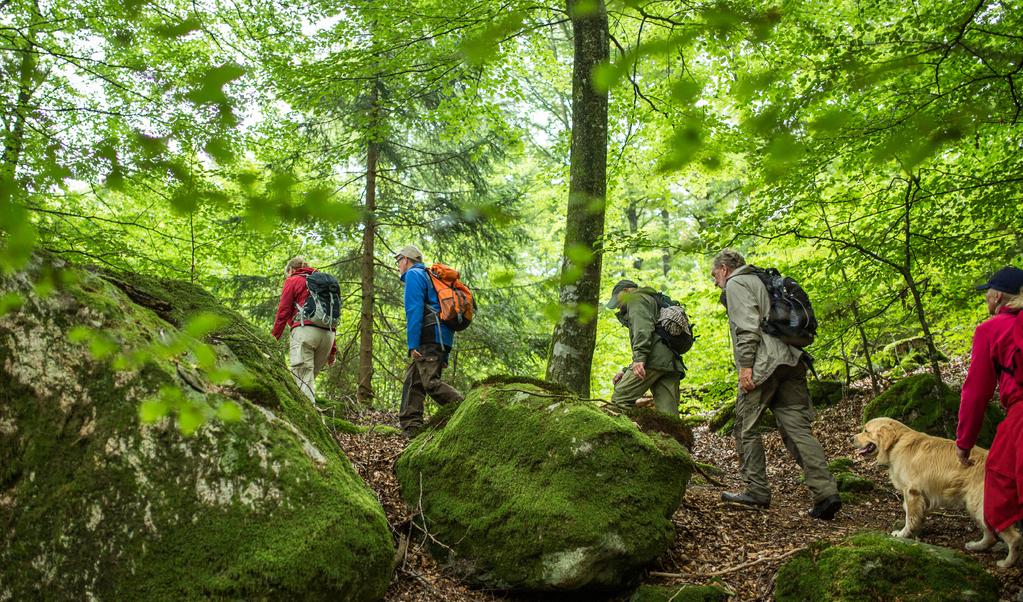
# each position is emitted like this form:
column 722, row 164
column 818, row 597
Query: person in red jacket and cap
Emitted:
column 997, row 360
column 311, row 347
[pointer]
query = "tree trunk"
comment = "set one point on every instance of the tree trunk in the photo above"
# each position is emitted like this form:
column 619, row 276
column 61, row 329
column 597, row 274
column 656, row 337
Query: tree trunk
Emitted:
column 666, row 256
column 632, row 214
column 576, row 333
column 907, row 273
column 364, row 393
column 14, row 141
column 857, row 319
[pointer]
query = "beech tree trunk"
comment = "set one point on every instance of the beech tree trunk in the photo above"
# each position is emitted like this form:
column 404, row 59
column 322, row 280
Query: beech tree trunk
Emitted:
column 576, row 332
column 364, row 392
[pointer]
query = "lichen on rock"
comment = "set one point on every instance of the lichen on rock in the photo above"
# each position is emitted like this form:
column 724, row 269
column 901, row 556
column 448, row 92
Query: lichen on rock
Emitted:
column 97, row 504
column 526, row 487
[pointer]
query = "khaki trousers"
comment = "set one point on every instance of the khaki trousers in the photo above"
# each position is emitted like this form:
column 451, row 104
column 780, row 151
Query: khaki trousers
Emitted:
column 662, row 385
column 422, row 378
column 785, row 393
column 308, row 351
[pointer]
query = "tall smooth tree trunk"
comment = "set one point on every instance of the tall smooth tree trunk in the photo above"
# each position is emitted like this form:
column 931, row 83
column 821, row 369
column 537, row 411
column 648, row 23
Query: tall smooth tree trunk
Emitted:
column 364, row 392
column 875, row 386
column 20, row 233
column 666, row 256
column 632, row 214
column 14, row 141
column 576, row 332
column 907, row 274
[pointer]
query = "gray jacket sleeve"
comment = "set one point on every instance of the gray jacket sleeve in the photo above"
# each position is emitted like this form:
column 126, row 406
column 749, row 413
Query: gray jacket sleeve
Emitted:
column 641, row 326
column 744, row 316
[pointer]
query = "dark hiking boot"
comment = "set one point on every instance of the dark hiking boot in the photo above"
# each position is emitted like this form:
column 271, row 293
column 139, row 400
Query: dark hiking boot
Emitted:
column 744, row 499
column 412, row 432
column 827, row 508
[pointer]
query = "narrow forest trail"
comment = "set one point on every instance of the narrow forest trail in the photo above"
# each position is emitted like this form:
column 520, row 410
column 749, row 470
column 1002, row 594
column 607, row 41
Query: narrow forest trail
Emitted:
column 741, row 549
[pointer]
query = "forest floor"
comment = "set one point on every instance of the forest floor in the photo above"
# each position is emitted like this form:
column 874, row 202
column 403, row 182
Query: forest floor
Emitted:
column 739, row 549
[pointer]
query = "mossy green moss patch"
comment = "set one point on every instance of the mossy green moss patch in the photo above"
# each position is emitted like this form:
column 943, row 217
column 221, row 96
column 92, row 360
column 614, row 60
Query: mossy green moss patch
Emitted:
column 680, row 593
column 96, row 504
column 872, row 566
column 925, row 404
column 526, row 488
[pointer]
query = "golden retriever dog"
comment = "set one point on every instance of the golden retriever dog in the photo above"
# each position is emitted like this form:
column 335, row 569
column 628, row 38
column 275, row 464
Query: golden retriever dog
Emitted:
column 928, row 473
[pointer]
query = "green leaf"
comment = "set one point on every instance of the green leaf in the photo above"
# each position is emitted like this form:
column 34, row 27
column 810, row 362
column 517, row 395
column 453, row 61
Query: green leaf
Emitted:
column 102, row 346
column 229, row 411
column 190, row 417
column 605, row 75
column 176, row 30
column 552, row 311
column 211, row 88
column 10, row 302
column 586, row 312
column 478, row 49
column 203, row 323
column 583, row 8
column 205, row 357
column 79, row 334
column 152, row 410
column 579, row 254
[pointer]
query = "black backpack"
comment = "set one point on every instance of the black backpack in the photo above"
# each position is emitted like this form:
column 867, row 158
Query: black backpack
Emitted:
column 791, row 318
column 673, row 325
column 323, row 305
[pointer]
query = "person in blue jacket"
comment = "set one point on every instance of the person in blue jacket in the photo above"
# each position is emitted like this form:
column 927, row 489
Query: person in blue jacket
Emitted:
column 429, row 342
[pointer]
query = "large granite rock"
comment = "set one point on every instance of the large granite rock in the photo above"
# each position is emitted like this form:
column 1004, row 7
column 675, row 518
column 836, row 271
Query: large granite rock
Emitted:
column 95, row 504
column 525, row 487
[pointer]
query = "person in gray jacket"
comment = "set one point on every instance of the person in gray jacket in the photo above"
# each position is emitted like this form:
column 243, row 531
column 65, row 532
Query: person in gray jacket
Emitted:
column 772, row 374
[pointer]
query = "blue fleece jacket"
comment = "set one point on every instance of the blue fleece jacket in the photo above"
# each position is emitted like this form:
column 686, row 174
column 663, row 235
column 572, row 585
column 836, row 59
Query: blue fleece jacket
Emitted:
column 421, row 306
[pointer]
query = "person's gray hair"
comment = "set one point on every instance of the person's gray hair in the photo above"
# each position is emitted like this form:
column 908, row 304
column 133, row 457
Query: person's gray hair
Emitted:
column 729, row 259
column 294, row 263
column 1013, row 301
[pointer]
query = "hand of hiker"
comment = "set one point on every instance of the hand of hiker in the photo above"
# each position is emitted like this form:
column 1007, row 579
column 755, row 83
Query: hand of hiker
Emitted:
column 332, row 356
column 617, row 377
column 964, row 456
column 746, row 379
column 416, row 355
column 639, row 369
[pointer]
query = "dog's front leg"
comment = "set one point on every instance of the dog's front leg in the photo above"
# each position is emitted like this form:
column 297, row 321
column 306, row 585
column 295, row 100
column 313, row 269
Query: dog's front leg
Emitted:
column 984, row 542
column 914, row 504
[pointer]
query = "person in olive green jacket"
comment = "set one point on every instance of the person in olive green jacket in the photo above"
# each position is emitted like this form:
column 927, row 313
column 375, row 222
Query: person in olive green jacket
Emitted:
column 654, row 367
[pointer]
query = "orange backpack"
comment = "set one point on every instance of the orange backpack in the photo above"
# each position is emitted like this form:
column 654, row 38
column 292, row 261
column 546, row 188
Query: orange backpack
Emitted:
column 457, row 304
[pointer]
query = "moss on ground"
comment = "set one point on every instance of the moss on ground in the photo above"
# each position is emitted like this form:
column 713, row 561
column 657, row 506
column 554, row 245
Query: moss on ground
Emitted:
column 925, row 404
column 873, row 566
column 680, row 593
column 526, row 488
column 96, row 504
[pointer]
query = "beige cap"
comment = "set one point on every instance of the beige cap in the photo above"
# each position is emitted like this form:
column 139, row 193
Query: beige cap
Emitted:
column 411, row 252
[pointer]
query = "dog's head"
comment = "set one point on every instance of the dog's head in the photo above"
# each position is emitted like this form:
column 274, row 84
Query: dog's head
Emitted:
column 878, row 437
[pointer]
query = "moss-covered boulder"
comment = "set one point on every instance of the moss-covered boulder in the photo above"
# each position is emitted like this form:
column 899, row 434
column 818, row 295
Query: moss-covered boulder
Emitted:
column 872, row 566
column 824, row 393
column 528, row 488
column 96, row 504
column 925, row 404
column 680, row 593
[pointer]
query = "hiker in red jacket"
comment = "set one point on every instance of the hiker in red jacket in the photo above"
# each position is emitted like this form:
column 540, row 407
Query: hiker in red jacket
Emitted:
column 311, row 345
column 997, row 359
